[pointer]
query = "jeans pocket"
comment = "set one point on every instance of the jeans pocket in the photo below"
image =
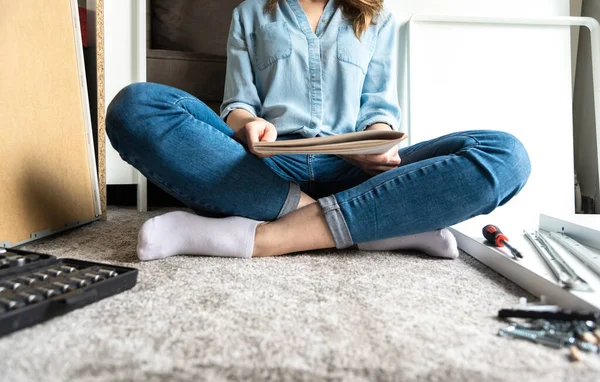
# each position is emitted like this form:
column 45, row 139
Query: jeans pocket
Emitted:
column 353, row 51
column 271, row 42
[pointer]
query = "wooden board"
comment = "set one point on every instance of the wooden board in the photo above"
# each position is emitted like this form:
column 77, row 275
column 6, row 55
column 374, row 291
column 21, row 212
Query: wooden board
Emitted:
column 48, row 173
column 99, row 33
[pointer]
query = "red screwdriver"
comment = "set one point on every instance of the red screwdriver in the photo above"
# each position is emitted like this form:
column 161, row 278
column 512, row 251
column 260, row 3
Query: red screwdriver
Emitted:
column 494, row 235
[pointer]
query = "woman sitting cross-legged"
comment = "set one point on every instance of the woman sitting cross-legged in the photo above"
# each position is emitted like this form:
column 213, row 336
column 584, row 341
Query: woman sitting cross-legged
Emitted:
column 297, row 69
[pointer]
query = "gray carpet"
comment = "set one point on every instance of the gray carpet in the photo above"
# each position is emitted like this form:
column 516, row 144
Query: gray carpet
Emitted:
column 314, row 317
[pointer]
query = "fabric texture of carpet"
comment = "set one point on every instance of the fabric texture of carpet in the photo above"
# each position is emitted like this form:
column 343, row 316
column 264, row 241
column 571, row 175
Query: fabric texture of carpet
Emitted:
column 320, row 316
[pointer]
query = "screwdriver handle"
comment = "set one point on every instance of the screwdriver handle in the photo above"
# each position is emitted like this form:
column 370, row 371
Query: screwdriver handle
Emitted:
column 494, row 235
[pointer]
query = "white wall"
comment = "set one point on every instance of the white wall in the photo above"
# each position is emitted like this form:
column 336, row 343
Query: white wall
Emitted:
column 122, row 67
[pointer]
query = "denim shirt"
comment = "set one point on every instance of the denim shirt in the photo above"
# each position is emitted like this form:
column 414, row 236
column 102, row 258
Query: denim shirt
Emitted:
column 312, row 84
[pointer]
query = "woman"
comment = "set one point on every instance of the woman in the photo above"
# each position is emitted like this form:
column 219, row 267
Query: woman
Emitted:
column 305, row 68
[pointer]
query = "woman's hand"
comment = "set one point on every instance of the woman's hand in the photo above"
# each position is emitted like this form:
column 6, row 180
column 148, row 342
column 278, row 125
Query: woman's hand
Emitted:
column 257, row 130
column 374, row 164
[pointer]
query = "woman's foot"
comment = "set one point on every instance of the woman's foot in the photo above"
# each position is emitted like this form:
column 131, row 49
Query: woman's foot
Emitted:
column 440, row 243
column 183, row 233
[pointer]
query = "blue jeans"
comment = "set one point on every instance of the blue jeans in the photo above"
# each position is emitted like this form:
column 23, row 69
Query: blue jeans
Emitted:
column 182, row 146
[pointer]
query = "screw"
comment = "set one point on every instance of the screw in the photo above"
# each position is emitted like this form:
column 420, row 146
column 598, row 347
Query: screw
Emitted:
column 583, row 331
column 541, row 324
column 586, row 346
column 563, row 326
column 531, row 335
column 565, row 338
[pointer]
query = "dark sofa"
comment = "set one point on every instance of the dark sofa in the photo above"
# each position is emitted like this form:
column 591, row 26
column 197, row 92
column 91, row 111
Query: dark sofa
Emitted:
column 187, row 41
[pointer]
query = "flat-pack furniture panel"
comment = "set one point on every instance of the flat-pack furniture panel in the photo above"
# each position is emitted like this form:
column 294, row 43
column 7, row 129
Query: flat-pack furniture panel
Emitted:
column 510, row 74
column 47, row 166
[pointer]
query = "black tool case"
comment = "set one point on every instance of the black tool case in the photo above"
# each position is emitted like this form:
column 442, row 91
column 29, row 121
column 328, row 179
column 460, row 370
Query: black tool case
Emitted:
column 35, row 287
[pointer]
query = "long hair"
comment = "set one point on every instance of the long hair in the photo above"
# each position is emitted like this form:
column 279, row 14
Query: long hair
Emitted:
column 360, row 13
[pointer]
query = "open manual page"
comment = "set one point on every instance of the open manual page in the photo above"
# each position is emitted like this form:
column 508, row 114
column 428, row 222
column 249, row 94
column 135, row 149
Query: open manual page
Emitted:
column 362, row 142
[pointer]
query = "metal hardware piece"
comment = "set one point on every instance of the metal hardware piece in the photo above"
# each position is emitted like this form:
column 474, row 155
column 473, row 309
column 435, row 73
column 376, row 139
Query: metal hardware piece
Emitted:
column 586, row 346
column 16, row 260
column 12, row 284
column 10, row 304
column 94, row 277
column 30, row 298
column 587, row 257
column 27, row 280
column 62, row 286
column 47, row 292
column 41, row 276
column 68, row 269
column 80, row 282
column 567, row 278
column 108, row 272
column 54, row 272
column 536, row 336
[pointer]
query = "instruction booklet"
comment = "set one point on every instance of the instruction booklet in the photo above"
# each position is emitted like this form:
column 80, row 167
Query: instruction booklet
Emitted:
column 362, row 142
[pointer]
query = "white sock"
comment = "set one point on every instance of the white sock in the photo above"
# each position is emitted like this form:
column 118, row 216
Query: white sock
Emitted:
column 183, row 233
column 440, row 243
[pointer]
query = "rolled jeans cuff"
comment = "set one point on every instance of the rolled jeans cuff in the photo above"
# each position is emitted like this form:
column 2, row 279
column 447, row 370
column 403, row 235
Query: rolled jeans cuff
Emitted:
column 336, row 222
column 292, row 200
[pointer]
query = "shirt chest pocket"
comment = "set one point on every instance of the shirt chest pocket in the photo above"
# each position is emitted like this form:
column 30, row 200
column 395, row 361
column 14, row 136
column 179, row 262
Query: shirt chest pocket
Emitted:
column 271, row 42
column 353, row 51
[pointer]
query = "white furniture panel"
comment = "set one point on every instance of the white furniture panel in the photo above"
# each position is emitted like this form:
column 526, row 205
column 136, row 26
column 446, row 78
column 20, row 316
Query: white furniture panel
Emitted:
column 404, row 9
column 512, row 78
column 510, row 75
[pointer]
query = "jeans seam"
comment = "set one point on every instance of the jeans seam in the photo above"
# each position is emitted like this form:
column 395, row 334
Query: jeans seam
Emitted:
column 278, row 170
column 311, row 175
column 183, row 99
column 408, row 173
column 191, row 115
column 464, row 134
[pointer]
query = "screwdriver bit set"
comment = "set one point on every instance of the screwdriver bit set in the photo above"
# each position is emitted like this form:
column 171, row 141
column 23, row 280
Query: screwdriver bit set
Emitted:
column 35, row 287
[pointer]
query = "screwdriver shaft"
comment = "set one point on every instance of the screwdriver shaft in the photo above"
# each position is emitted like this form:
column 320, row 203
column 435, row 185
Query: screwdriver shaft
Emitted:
column 513, row 250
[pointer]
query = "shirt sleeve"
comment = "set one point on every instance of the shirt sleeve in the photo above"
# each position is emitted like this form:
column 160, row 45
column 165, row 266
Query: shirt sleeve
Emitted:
column 379, row 98
column 240, row 91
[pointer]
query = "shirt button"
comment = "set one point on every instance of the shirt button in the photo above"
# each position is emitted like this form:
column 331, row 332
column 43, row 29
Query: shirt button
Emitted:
column 324, row 20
